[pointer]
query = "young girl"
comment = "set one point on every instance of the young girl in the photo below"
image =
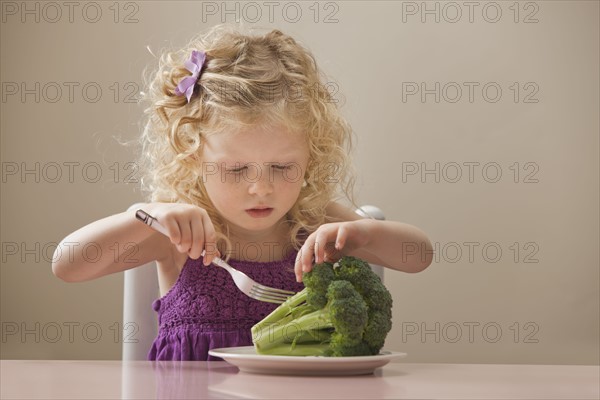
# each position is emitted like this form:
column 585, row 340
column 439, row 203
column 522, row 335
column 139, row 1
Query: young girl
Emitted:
column 244, row 151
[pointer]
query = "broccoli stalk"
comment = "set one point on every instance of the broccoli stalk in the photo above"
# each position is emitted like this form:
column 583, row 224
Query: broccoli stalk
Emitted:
column 343, row 311
column 309, row 333
column 287, row 311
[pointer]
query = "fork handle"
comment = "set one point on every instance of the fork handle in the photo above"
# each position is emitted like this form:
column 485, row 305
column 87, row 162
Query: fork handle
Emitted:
column 151, row 221
column 154, row 224
column 218, row 261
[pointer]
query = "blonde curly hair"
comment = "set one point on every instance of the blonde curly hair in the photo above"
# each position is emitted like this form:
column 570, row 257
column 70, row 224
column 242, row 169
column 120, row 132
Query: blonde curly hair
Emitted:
column 247, row 80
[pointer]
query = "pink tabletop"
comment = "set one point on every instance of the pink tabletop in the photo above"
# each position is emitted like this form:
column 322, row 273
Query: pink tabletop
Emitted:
column 22, row 379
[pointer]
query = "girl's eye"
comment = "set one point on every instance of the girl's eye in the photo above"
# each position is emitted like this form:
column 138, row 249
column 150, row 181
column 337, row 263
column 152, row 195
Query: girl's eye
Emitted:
column 240, row 169
column 235, row 170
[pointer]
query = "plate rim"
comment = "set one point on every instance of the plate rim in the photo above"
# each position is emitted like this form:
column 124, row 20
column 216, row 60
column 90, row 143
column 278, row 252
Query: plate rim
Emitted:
column 229, row 352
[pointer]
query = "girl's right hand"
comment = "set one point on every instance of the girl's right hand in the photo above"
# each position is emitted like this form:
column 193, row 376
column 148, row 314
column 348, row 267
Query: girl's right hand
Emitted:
column 190, row 229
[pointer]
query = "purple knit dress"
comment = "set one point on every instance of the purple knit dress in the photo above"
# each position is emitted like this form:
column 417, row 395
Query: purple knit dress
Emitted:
column 205, row 310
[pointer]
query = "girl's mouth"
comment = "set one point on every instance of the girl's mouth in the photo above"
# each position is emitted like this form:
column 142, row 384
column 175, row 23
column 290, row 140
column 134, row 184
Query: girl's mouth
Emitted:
column 259, row 212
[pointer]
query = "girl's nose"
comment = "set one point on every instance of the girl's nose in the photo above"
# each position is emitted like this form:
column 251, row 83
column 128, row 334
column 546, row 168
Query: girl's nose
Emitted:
column 261, row 186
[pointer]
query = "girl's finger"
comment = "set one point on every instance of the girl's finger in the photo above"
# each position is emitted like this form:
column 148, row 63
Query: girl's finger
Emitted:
column 173, row 228
column 198, row 239
column 185, row 243
column 333, row 249
column 298, row 267
column 320, row 243
column 304, row 258
column 340, row 240
column 210, row 240
column 308, row 257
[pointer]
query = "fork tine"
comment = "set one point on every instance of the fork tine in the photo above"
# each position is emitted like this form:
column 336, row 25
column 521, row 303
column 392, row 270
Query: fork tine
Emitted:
column 275, row 290
column 265, row 300
column 263, row 295
column 269, row 293
column 260, row 291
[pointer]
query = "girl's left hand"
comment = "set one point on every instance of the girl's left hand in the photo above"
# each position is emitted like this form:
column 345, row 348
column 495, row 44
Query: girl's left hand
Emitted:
column 330, row 242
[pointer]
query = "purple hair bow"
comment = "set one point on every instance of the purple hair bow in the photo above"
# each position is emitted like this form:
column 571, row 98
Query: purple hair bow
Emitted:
column 195, row 65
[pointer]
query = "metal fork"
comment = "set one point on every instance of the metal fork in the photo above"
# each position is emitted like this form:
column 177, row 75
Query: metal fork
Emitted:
column 252, row 288
column 246, row 284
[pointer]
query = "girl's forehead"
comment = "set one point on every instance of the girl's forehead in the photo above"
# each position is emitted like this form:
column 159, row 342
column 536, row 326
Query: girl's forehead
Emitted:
column 241, row 143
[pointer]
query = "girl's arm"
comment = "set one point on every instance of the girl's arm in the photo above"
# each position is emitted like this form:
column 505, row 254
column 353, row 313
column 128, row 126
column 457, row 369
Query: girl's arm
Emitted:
column 112, row 244
column 390, row 244
column 121, row 242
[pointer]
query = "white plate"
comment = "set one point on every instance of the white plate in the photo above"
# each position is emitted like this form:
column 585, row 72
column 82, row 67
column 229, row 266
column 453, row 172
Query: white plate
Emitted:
column 246, row 359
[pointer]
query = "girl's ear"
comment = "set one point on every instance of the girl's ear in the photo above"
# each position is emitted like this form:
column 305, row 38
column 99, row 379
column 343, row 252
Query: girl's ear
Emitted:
column 195, row 160
column 197, row 155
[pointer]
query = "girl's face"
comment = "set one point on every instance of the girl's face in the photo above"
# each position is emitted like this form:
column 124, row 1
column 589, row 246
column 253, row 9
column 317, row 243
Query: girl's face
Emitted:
column 253, row 177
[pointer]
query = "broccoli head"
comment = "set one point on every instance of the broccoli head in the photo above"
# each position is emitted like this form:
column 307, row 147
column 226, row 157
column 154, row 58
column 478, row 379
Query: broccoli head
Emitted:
column 317, row 283
column 344, row 310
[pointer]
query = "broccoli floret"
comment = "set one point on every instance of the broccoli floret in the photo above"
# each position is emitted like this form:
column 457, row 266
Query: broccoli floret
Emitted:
column 344, row 310
column 317, row 282
column 377, row 297
column 367, row 283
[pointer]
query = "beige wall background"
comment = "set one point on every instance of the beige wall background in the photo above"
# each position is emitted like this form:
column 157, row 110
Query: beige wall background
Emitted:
column 501, row 170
